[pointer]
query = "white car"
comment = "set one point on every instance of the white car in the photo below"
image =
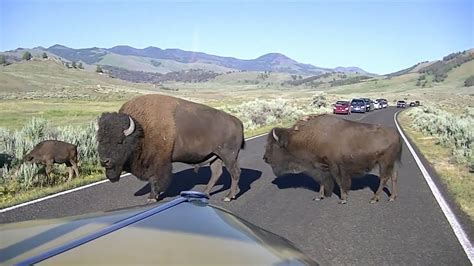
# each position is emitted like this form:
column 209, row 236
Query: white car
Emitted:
column 377, row 105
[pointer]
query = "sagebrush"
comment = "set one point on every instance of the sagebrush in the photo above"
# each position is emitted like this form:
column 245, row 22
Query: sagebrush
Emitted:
column 17, row 176
column 453, row 131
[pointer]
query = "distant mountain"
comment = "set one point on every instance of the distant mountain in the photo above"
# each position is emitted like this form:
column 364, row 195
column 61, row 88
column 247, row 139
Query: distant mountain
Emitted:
column 157, row 60
column 270, row 62
column 355, row 70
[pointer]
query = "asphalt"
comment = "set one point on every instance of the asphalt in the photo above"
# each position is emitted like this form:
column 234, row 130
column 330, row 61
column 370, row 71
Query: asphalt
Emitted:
column 410, row 231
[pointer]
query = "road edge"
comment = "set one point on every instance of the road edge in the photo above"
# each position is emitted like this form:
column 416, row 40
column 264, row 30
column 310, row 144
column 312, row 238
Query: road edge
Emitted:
column 448, row 212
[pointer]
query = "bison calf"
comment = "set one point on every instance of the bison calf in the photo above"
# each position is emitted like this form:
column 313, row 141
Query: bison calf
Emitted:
column 49, row 152
column 329, row 148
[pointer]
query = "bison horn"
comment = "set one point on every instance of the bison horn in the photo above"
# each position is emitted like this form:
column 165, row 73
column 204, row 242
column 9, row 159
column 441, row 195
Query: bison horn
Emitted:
column 131, row 128
column 274, row 135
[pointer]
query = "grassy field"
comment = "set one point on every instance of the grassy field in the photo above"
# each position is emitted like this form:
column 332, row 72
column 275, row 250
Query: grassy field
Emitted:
column 15, row 113
column 456, row 177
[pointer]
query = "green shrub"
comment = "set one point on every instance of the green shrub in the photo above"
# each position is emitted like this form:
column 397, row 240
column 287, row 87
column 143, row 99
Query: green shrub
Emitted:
column 469, row 81
column 259, row 113
column 24, row 176
column 452, row 131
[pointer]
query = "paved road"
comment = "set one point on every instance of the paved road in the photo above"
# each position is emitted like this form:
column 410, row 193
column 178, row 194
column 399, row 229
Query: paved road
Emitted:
column 412, row 230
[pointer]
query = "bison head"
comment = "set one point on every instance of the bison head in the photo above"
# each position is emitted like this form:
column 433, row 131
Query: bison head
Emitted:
column 118, row 137
column 276, row 152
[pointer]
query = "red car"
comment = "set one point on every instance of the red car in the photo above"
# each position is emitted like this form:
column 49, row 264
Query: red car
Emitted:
column 342, row 107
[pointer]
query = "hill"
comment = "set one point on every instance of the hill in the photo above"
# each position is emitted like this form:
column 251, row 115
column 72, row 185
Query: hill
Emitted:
column 154, row 59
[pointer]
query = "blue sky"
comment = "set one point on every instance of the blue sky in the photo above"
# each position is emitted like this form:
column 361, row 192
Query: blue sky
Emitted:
column 378, row 36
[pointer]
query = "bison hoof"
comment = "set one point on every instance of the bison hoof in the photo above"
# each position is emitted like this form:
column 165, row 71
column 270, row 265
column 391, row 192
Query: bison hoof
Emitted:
column 227, row 199
column 151, row 200
column 372, row 201
column 343, row 202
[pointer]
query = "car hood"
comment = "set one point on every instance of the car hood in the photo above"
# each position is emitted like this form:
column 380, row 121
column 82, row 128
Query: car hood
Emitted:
column 190, row 232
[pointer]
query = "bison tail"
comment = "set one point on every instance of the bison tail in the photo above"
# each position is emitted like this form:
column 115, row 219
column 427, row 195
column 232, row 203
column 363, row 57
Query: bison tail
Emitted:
column 399, row 152
column 242, row 146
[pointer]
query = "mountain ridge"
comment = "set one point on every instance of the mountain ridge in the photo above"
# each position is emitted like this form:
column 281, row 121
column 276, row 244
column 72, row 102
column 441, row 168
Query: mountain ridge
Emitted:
column 272, row 62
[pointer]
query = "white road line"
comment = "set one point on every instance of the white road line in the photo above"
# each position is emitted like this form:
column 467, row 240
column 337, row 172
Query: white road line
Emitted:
column 453, row 221
column 56, row 195
column 79, row 188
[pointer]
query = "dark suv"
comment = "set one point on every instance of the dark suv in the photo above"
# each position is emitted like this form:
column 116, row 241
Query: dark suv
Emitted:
column 369, row 106
column 358, row 106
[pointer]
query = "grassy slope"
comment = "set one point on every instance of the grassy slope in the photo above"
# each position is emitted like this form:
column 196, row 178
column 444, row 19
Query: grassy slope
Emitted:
column 48, row 75
column 15, row 113
column 138, row 63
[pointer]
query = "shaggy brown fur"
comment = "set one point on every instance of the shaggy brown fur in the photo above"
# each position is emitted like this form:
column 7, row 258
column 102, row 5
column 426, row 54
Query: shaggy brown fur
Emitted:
column 341, row 148
column 49, row 152
column 170, row 130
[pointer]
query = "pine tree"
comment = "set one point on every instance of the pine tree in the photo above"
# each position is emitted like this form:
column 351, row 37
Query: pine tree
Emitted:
column 27, row 56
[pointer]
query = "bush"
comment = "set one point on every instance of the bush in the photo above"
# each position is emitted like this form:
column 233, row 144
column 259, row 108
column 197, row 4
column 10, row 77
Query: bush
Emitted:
column 27, row 56
column 259, row 113
column 469, row 81
column 452, row 131
column 24, row 176
column 319, row 100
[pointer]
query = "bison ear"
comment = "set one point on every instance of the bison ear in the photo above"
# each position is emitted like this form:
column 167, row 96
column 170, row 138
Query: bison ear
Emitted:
column 130, row 129
column 280, row 135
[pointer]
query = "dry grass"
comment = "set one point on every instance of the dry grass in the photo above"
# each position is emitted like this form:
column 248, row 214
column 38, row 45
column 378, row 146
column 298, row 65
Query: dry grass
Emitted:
column 456, row 177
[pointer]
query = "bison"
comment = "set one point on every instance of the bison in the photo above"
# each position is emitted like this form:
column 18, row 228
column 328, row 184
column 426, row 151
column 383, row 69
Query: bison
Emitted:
column 151, row 131
column 49, row 152
column 328, row 148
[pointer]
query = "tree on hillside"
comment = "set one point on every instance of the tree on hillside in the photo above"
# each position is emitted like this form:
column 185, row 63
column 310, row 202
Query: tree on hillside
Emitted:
column 469, row 81
column 27, row 56
column 74, row 64
column 99, row 69
column 80, row 65
column 3, row 59
column 44, row 55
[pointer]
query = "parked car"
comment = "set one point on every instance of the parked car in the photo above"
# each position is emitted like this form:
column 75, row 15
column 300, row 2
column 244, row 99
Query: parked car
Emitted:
column 358, row 106
column 376, row 105
column 383, row 103
column 369, row 106
column 341, row 107
column 184, row 231
column 412, row 104
column 401, row 104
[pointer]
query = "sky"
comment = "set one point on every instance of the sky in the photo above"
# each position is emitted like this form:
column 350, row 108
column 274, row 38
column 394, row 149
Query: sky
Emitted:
column 378, row 36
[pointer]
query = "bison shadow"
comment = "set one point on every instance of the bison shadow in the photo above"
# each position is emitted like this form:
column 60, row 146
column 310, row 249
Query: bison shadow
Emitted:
column 187, row 179
column 301, row 180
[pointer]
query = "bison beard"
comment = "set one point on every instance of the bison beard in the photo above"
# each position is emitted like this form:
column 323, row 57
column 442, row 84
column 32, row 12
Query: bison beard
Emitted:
column 331, row 149
column 152, row 131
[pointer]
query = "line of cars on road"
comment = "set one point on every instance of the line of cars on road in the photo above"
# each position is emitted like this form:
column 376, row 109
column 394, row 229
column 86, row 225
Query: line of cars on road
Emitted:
column 359, row 105
column 403, row 104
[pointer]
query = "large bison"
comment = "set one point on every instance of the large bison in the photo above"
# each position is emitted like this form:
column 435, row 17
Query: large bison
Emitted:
column 328, row 148
column 49, row 152
column 151, row 131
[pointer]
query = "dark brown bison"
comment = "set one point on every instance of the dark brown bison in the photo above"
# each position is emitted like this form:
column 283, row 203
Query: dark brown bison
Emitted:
column 150, row 132
column 328, row 148
column 49, row 152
